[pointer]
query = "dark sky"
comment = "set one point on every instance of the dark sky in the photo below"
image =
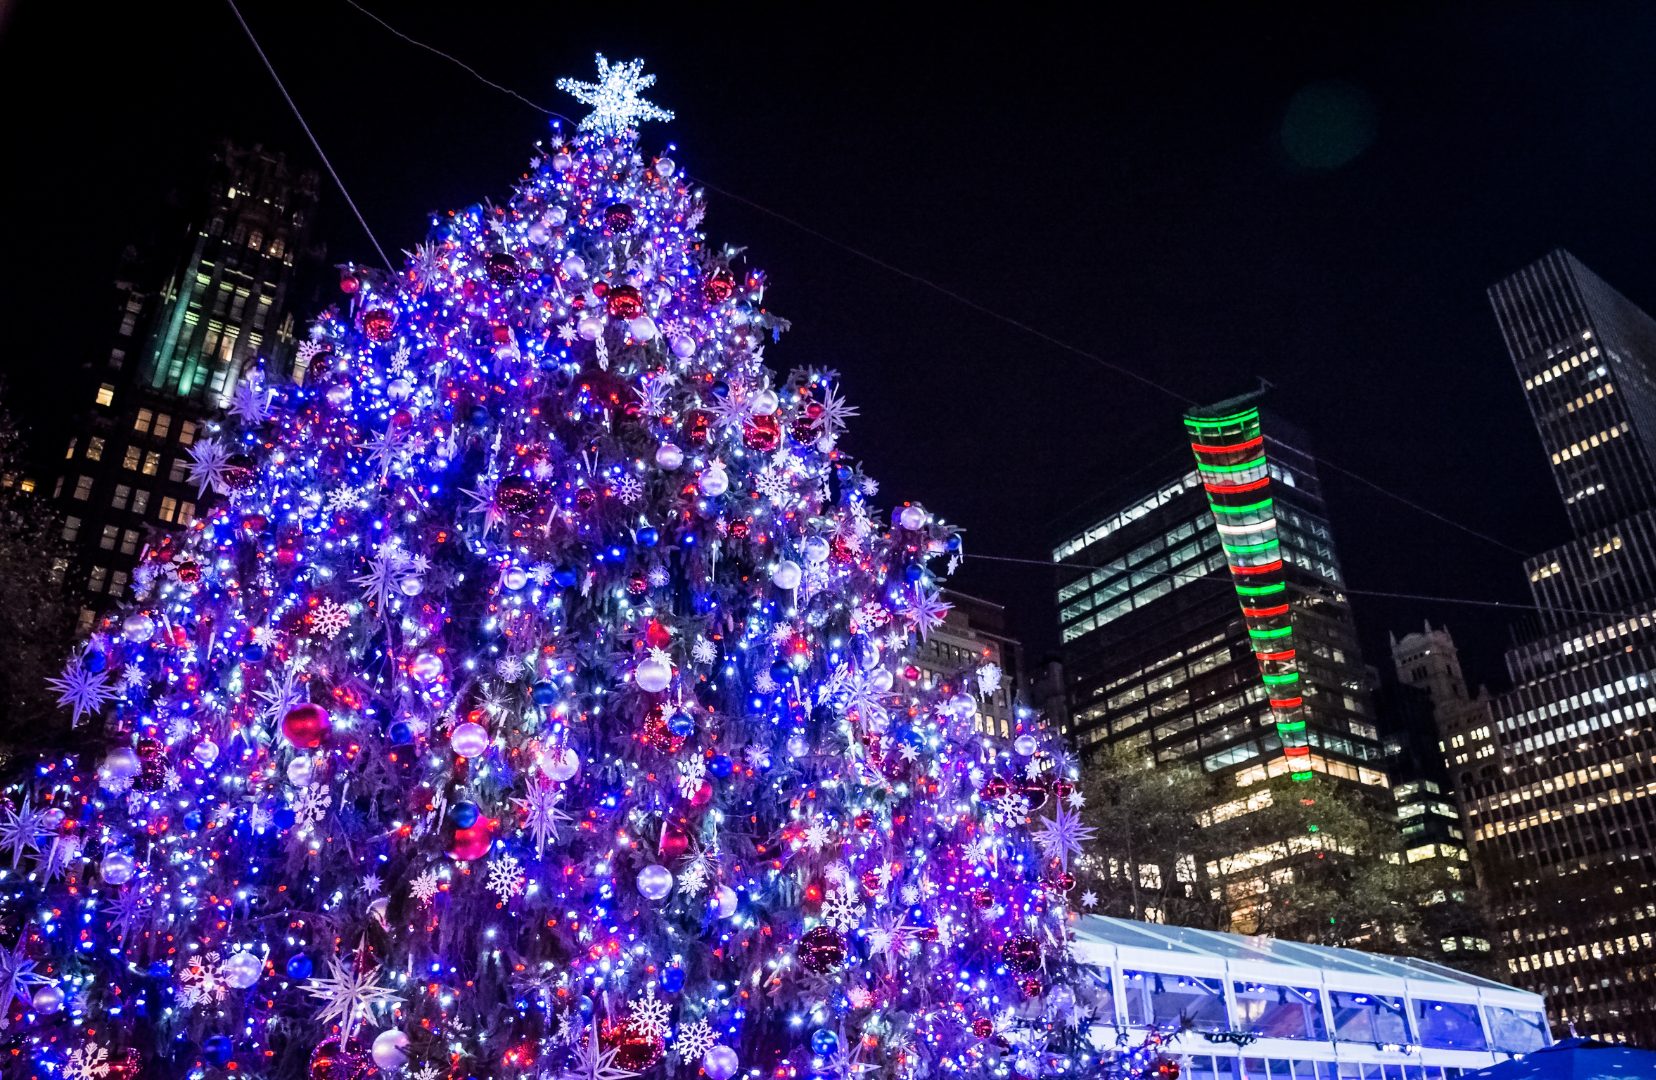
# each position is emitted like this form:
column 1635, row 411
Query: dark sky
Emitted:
column 1301, row 194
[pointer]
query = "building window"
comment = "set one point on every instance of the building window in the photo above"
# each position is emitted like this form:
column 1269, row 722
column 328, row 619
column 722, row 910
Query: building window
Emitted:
column 175, row 473
column 71, row 527
column 142, row 421
column 187, row 432
column 140, row 501
column 107, row 540
column 60, row 566
column 106, row 394
column 163, row 424
column 70, row 453
column 95, row 448
column 169, row 509
column 96, row 580
column 152, row 463
column 129, row 541
column 83, row 488
column 117, row 583
column 130, row 461
column 122, row 494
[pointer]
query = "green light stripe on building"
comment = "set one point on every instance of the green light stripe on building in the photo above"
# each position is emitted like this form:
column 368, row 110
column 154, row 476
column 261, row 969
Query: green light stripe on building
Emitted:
column 1215, row 422
column 1263, row 504
column 1270, row 635
column 1281, row 680
column 1262, row 590
column 1256, row 463
column 1288, row 727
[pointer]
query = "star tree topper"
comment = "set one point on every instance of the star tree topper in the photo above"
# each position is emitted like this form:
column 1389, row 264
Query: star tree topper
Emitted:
column 616, row 105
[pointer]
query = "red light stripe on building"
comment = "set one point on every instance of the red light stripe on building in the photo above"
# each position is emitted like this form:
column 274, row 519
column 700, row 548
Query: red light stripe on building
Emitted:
column 1296, row 751
column 1236, row 489
column 1264, row 568
column 1287, row 702
column 1265, row 612
column 1282, row 657
column 1232, row 448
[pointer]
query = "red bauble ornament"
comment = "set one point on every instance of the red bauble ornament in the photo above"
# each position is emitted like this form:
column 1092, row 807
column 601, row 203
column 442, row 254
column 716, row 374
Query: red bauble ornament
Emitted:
column 984, row 897
column 305, row 726
column 739, row 529
column 635, row 1051
column 501, row 268
column 515, row 495
column 675, row 841
column 585, row 499
column 1022, row 954
column 719, row 285
column 377, row 324
column 1035, row 794
column 763, row 433
column 821, row 950
column 349, row 284
column 1063, row 789
column 698, row 427
column 1063, row 881
column 238, row 473
column 624, row 302
column 657, row 734
column 152, row 767
column 1166, row 1068
column 871, row 881
column 473, row 842
column 331, row 1061
column 656, row 635
column 994, row 788
column 806, row 427
column 983, row 1027
column 1031, row 987
column 638, row 585
column 619, row 217
column 189, row 572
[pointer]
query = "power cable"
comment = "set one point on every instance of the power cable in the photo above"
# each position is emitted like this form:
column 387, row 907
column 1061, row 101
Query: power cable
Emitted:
column 944, row 290
column 297, row 115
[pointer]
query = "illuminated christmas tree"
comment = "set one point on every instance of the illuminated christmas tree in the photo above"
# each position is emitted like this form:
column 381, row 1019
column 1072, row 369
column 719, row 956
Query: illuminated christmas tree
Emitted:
column 535, row 698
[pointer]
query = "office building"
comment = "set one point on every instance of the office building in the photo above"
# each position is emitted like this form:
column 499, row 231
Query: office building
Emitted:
column 191, row 323
column 1563, row 812
column 1203, row 621
column 972, row 638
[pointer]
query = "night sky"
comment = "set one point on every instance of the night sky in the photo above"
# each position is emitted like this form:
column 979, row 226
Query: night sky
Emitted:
column 1206, row 200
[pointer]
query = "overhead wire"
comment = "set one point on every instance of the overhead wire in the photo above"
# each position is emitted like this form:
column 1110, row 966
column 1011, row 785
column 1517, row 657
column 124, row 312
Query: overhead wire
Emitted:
column 311, row 135
column 922, row 280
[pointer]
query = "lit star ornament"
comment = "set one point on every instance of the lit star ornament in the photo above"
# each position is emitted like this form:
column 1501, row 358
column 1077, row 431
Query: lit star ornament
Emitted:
column 616, row 105
column 81, row 690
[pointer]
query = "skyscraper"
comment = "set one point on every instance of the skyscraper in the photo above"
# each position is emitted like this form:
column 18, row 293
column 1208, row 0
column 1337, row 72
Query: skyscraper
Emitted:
column 1564, row 810
column 191, row 321
column 972, row 638
column 1168, row 648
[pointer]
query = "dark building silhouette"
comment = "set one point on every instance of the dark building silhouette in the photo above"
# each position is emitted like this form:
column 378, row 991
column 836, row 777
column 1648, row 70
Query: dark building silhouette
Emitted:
column 1563, row 803
column 194, row 316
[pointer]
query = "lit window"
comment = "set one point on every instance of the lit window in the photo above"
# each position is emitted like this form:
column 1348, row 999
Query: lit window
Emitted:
column 83, row 488
column 96, row 580
column 107, row 540
column 176, row 472
column 117, row 582
column 142, row 421
column 163, row 424
column 140, row 501
column 69, row 453
column 106, row 394
column 133, row 456
column 129, row 541
column 95, row 448
column 187, row 432
column 122, row 494
column 71, row 527
column 152, row 463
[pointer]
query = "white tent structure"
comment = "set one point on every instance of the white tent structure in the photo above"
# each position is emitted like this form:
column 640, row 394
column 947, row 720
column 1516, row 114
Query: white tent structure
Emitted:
column 1255, row 1008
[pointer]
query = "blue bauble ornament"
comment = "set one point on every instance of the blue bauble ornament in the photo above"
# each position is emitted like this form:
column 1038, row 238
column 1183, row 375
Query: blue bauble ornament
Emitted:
column 912, row 572
column 159, row 970
column 401, row 733
column 545, row 693
column 252, row 652
column 953, row 542
column 299, row 966
column 672, row 979
column 193, row 821
column 480, row 416
column 465, row 814
column 647, row 537
column 781, row 672
column 681, row 724
column 217, row 1049
column 94, row 660
column 720, row 765
column 583, row 1004
column 566, row 577
column 824, row 1042
column 284, row 818
column 721, row 388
